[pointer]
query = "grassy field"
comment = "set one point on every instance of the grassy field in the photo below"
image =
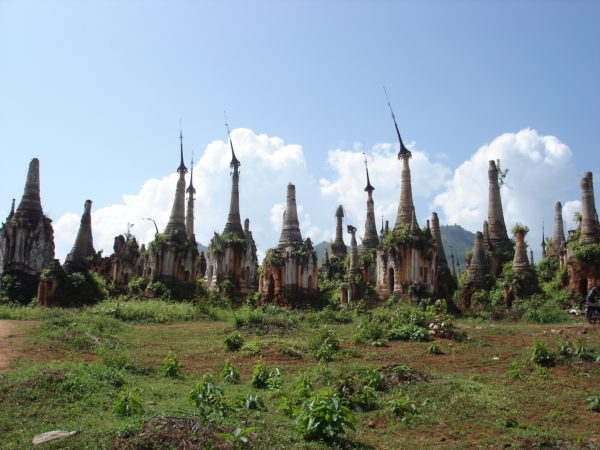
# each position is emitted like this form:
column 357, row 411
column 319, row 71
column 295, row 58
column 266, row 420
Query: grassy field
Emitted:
column 101, row 371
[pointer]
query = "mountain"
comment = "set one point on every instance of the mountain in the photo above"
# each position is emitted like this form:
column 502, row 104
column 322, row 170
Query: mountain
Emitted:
column 456, row 240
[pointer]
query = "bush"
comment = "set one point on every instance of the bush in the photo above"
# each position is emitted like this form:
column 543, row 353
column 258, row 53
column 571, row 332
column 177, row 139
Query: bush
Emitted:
column 136, row 286
column 371, row 332
column 539, row 354
column 262, row 378
column 323, row 344
column 323, row 417
column 435, row 350
column 265, row 319
column 208, row 398
column 403, row 407
column 128, row 403
column 170, row 367
column 593, row 403
column 230, row 374
column 409, row 333
column 234, row 341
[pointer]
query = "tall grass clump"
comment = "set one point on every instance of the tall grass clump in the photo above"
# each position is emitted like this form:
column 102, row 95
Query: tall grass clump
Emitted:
column 266, row 319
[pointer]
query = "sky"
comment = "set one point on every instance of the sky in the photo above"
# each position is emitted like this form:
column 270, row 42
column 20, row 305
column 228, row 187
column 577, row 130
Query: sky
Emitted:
column 97, row 90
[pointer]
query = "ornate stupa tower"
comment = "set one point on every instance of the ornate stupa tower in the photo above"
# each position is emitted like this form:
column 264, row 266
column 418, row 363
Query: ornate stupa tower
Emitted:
column 172, row 257
column 543, row 244
column 175, row 229
column 500, row 248
column 27, row 239
column 476, row 272
column 406, row 263
column 234, row 224
column 289, row 274
column 558, row 237
column 189, row 218
column 338, row 247
column 79, row 259
column 371, row 240
column 232, row 264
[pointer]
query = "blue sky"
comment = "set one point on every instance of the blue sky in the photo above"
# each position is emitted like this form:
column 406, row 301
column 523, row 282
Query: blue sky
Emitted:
column 96, row 90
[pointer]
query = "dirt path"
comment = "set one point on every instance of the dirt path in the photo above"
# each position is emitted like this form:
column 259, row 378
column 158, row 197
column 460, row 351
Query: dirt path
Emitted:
column 11, row 337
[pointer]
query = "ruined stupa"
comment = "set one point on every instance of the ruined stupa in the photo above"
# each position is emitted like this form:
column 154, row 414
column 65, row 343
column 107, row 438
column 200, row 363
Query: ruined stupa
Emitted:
column 289, row 271
column 173, row 257
column 26, row 241
column 406, row 260
column 477, row 272
column 582, row 255
column 232, row 264
column 498, row 245
column 338, row 246
column 81, row 257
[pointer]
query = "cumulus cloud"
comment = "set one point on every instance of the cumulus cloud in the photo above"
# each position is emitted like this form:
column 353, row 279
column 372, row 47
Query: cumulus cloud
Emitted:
column 348, row 185
column 268, row 165
column 540, row 172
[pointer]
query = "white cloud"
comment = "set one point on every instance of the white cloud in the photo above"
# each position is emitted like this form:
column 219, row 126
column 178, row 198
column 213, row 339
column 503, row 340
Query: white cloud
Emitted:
column 540, row 172
column 384, row 172
column 268, row 165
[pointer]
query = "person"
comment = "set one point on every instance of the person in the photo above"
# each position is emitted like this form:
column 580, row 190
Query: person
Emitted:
column 591, row 297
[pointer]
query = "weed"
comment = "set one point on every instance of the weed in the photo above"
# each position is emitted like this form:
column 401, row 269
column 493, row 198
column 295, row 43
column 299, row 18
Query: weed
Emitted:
column 262, row 378
column 403, row 407
column 414, row 333
column 234, row 341
column 208, row 398
column 593, row 403
column 323, row 344
column 237, row 437
column 323, row 416
column 128, row 403
column 230, row 374
column 435, row 350
column 252, row 348
column 171, row 367
column 539, row 354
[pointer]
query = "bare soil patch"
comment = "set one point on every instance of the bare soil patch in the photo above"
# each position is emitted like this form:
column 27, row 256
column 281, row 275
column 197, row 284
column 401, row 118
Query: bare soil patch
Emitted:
column 11, row 340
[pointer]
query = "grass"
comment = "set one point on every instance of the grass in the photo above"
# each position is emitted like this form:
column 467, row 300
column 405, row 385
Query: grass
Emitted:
column 465, row 397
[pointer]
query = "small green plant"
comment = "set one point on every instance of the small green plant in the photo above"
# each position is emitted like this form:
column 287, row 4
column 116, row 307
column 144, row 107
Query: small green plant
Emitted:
column 403, row 407
column 262, row 378
column 171, row 367
column 234, row 341
column 540, row 355
column 515, row 371
column 593, row 403
column 230, row 374
column 208, row 398
column 323, row 416
column 435, row 349
column 323, row 344
column 128, row 403
column 238, row 437
column 254, row 402
column 371, row 377
column 413, row 333
column 252, row 348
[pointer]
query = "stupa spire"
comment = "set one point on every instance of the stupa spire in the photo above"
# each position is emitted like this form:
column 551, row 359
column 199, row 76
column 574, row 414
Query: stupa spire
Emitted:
column 290, row 229
column 338, row 248
column 354, row 269
column 371, row 240
column 543, row 244
column 189, row 218
column 175, row 228
column 498, row 235
column 589, row 219
column 234, row 224
column 30, row 206
column 437, row 238
column 78, row 259
column 406, row 206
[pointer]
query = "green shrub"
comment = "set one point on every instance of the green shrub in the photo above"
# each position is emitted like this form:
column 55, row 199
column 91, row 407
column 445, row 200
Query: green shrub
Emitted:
column 323, row 344
column 234, row 341
column 409, row 333
column 128, row 403
column 290, row 350
column 252, row 348
column 171, row 367
column 371, row 332
column 237, row 437
column 263, row 378
column 403, row 407
column 370, row 376
column 539, row 354
column 254, row 403
column 323, row 417
column 593, row 403
column 266, row 319
column 208, row 398
column 137, row 286
column 230, row 374
column 435, row 350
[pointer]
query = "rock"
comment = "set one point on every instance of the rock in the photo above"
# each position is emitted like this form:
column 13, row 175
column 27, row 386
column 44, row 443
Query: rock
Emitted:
column 52, row 436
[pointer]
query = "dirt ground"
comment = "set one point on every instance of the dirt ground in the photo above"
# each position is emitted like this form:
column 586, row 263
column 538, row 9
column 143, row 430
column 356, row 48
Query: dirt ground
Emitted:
column 11, row 340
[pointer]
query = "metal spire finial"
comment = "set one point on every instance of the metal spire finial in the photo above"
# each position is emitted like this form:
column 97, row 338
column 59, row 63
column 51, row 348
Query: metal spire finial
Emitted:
column 181, row 167
column 404, row 152
column 234, row 161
